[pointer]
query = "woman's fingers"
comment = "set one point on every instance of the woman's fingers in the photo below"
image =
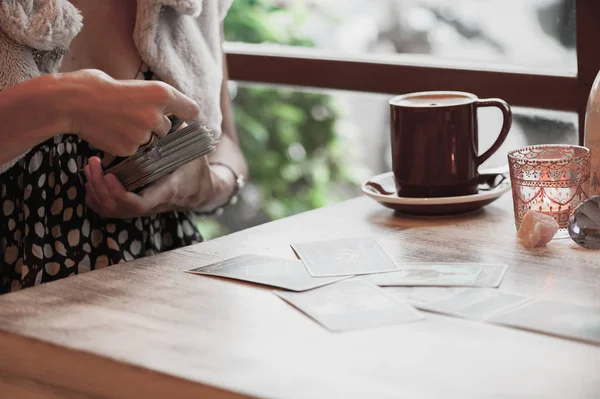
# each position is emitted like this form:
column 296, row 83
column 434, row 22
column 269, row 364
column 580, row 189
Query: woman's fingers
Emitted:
column 99, row 183
column 129, row 203
column 90, row 198
column 106, row 195
column 184, row 107
column 125, row 112
column 163, row 127
column 89, row 189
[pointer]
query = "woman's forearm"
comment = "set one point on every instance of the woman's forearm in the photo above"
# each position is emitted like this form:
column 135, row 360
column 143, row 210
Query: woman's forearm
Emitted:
column 29, row 116
column 229, row 151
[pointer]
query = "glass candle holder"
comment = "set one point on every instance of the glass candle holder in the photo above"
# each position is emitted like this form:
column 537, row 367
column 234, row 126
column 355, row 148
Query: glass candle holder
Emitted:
column 550, row 179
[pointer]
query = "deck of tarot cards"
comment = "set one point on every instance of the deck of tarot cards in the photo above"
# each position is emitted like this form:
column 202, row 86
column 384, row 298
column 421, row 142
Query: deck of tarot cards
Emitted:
column 163, row 155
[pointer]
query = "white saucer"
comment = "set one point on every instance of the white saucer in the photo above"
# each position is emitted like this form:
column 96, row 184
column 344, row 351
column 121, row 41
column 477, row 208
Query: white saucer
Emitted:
column 429, row 206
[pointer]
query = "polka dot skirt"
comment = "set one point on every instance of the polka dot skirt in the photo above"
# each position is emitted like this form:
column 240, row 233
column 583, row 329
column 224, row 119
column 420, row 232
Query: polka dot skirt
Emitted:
column 47, row 232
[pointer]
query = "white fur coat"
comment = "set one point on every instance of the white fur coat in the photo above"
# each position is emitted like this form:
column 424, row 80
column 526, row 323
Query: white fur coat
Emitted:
column 178, row 39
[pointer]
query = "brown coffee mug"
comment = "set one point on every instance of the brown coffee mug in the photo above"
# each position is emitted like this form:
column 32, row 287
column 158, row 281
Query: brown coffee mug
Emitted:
column 435, row 142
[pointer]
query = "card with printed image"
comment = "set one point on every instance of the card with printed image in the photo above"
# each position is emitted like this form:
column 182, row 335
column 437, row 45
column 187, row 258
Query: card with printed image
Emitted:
column 428, row 275
column 421, row 295
column 351, row 304
column 491, row 275
column 476, row 303
column 344, row 257
column 289, row 274
column 555, row 318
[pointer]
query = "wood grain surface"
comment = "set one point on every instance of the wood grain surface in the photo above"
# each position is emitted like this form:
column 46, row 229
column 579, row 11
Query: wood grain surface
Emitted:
column 147, row 329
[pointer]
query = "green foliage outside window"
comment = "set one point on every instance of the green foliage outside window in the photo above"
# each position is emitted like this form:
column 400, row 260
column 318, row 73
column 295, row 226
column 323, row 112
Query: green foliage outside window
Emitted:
column 295, row 159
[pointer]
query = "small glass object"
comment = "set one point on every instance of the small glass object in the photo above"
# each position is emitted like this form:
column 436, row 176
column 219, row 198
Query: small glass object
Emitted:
column 550, row 179
column 584, row 224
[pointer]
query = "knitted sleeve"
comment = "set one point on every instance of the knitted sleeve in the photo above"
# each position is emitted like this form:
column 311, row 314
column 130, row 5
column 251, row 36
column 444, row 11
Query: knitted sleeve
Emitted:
column 34, row 35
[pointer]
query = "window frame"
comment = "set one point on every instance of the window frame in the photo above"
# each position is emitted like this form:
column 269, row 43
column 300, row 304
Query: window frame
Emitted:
column 314, row 68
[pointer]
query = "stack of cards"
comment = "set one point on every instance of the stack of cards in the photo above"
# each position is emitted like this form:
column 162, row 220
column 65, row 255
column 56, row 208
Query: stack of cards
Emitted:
column 164, row 155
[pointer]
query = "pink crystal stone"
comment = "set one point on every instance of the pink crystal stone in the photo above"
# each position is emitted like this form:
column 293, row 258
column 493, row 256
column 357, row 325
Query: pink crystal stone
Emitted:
column 537, row 229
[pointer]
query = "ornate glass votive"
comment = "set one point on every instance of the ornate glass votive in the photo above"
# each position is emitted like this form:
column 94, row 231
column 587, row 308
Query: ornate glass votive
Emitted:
column 551, row 179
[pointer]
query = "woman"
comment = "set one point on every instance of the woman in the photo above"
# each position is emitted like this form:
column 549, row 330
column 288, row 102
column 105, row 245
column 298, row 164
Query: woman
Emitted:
column 106, row 96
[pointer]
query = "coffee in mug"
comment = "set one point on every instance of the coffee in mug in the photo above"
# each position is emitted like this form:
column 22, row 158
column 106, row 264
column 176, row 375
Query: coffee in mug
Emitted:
column 435, row 142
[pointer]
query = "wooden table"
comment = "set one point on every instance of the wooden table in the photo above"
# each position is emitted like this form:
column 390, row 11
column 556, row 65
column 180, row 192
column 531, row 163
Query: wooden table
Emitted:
column 148, row 330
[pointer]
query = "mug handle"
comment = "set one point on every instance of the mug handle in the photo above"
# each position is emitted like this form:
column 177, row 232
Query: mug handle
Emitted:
column 506, row 123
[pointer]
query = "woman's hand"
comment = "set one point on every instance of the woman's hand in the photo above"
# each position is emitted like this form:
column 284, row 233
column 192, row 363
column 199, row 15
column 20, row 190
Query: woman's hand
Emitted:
column 194, row 186
column 119, row 116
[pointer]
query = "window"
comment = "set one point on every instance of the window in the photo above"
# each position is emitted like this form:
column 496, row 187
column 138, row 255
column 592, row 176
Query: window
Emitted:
column 529, row 77
column 539, row 34
column 338, row 66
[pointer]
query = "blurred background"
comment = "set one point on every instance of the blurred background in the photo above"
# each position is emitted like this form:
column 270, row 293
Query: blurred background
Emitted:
column 311, row 148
